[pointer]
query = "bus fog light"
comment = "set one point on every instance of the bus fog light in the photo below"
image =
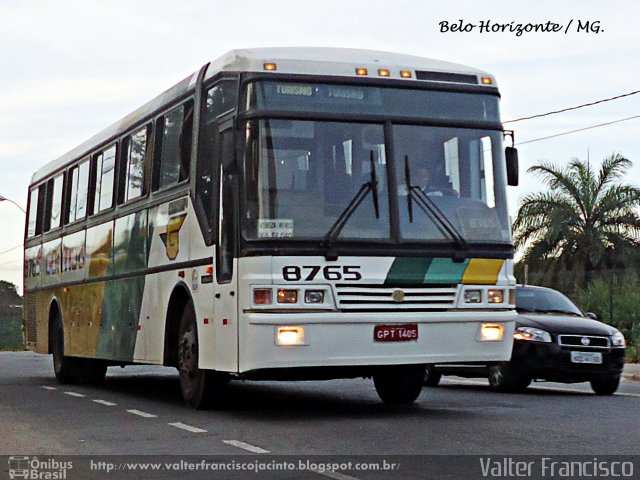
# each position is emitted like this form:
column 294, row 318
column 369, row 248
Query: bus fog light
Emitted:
column 287, row 296
column 490, row 332
column 262, row 296
column 314, row 296
column 473, row 296
column 495, row 296
column 287, row 336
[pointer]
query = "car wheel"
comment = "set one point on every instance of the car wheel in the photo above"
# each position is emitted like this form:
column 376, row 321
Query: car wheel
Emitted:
column 399, row 384
column 432, row 376
column 606, row 386
column 508, row 378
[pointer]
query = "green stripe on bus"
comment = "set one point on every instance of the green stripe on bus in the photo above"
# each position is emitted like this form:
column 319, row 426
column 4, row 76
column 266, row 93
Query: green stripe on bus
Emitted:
column 445, row 271
column 408, row 271
column 424, row 270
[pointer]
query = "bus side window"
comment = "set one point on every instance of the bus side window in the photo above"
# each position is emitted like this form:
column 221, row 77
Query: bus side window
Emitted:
column 36, row 205
column 54, row 204
column 134, row 164
column 220, row 99
column 175, row 148
column 104, row 179
column 79, row 180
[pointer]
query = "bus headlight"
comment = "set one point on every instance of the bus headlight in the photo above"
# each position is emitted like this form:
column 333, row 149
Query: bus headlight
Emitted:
column 314, row 296
column 291, row 298
column 262, row 296
column 287, row 296
column 473, row 296
column 495, row 296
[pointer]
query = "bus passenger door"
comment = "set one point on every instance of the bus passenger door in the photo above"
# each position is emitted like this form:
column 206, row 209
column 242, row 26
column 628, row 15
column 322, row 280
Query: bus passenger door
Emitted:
column 226, row 278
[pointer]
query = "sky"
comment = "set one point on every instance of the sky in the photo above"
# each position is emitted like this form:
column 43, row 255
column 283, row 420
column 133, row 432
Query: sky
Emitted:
column 71, row 68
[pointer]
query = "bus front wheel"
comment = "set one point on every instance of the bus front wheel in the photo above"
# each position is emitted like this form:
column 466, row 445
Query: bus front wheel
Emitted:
column 200, row 388
column 399, row 384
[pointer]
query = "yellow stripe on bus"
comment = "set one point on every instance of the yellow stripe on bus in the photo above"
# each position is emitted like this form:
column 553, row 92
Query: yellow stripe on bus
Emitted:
column 482, row 271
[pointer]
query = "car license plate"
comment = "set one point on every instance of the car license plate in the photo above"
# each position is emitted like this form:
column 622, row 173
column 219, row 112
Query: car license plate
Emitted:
column 594, row 358
column 395, row 333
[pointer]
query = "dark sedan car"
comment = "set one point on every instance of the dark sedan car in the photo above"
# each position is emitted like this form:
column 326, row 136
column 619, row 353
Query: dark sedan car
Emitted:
column 554, row 341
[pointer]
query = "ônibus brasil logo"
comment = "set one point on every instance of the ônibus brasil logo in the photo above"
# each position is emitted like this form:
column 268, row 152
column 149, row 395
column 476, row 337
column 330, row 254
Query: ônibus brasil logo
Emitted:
column 33, row 468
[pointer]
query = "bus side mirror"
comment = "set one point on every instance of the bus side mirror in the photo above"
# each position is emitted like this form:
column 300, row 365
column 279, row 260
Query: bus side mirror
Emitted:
column 511, row 156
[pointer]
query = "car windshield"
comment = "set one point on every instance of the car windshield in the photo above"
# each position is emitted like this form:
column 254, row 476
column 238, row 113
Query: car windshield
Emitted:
column 539, row 300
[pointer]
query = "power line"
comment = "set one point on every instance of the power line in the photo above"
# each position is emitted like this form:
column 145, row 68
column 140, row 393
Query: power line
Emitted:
column 579, row 130
column 11, row 249
column 9, row 262
column 574, row 108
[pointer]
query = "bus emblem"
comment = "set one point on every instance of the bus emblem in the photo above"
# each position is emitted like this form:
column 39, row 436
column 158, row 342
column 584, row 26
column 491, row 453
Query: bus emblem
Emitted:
column 398, row 296
column 171, row 236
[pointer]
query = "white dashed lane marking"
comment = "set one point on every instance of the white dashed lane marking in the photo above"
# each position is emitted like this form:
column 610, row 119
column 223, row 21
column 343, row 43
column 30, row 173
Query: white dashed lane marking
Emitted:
column 46, row 387
column 142, row 414
column 245, row 446
column 75, row 394
column 188, row 428
column 335, row 475
column 104, row 402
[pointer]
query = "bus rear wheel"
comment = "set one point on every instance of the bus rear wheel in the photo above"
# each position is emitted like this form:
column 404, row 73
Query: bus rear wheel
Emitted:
column 201, row 389
column 73, row 370
column 399, row 384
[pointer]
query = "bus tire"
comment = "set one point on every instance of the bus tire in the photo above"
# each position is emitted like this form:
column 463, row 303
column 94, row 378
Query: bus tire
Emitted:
column 201, row 389
column 70, row 370
column 399, row 384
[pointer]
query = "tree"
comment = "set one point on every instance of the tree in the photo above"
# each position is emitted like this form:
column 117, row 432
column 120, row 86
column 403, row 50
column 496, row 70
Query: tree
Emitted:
column 583, row 223
column 9, row 297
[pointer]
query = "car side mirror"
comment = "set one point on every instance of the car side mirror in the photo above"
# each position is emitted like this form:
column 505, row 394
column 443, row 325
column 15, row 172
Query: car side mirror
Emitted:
column 591, row 315
column 511, row 157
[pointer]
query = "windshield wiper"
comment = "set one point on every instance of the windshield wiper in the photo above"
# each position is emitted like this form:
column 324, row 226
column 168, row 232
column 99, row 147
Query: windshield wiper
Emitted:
column 429, row 207
column 341, row 221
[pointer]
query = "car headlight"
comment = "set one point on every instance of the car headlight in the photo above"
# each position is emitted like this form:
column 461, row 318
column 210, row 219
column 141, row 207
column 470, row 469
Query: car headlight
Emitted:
column 617, row 339
column 532, row 335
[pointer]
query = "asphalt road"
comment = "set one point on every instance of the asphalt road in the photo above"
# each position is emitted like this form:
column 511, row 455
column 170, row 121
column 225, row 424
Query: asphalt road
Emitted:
column 139, row 411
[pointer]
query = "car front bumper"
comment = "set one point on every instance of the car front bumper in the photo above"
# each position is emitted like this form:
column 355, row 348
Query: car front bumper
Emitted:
column 550, row 361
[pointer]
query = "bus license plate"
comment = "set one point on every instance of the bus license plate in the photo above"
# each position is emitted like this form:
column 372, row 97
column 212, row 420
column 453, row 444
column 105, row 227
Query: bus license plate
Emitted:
column 395, row 333
column 593, row 358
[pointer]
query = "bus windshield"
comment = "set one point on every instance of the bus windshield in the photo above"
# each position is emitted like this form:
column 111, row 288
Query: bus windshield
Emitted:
column 301, row 175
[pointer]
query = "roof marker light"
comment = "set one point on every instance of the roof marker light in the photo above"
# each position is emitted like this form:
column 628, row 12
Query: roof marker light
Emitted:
column 406, row 74
column 487, row 80
column 362, row 71
column 383, row 72
column 270, row 67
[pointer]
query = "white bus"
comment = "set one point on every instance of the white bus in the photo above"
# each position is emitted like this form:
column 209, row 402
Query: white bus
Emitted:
column 282, row 214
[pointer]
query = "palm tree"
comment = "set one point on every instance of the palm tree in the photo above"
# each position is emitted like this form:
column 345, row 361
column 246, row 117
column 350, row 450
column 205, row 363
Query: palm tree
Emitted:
column 583, row 222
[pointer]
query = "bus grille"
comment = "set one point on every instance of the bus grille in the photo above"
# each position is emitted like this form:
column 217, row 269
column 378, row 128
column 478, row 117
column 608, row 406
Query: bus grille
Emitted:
column 376, row 298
